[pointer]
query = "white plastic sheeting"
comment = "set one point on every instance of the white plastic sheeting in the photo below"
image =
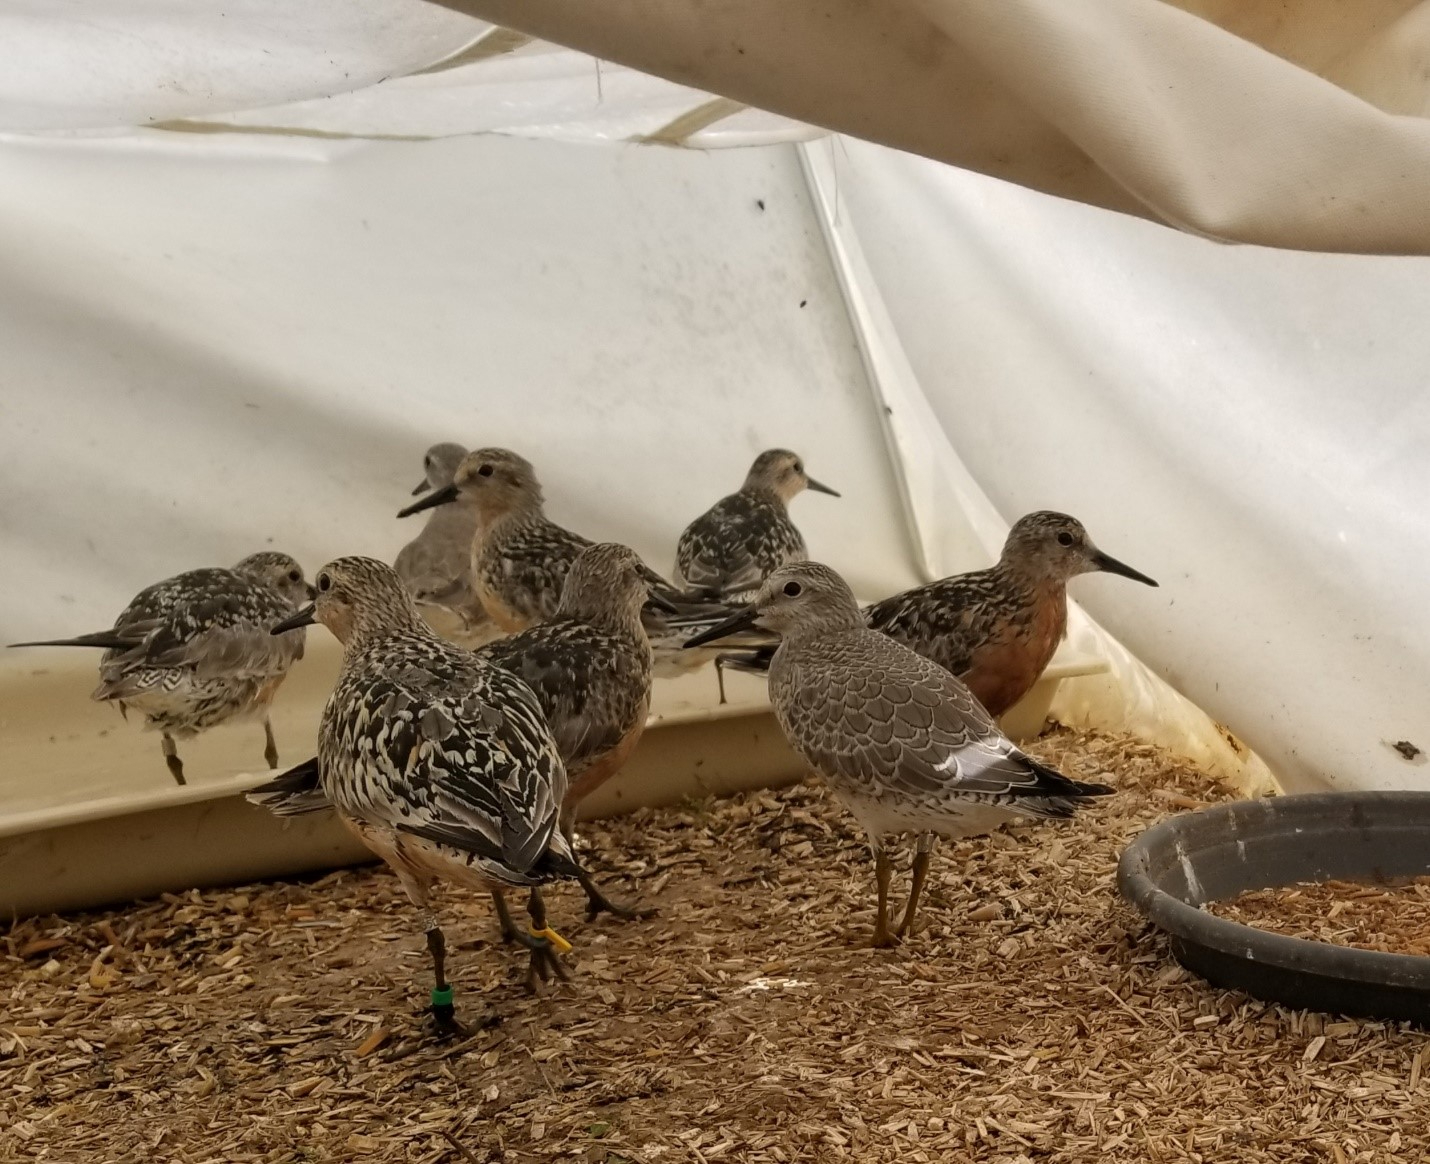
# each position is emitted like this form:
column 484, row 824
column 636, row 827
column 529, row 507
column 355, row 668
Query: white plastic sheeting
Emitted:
column 1294, row 123
column 1297, row 123
column 212, row 345
column 249, row 341
column 377, row 68
column 1249, row 426
column 79, row 64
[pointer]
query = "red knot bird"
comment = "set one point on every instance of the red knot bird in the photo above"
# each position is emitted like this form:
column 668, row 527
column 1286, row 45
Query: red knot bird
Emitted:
column 729, row 549
column 590, row 667
column 897, row 738
column 520, row 557
column 436, row 565
column 193, row 651
column 439, row 761
column 996, row 629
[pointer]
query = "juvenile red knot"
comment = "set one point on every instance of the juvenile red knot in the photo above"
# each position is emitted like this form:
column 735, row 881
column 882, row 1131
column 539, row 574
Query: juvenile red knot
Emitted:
column 900, row 741
column 731, row 548
column 436, row 565
column 439, row 761
column 193, row 651
column 590, row 668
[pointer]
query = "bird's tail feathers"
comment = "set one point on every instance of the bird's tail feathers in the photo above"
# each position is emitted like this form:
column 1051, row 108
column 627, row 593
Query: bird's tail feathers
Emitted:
column 1053, row 784
column 293, row 793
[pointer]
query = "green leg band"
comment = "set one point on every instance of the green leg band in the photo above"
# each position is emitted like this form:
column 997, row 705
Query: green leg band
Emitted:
column 442, row 997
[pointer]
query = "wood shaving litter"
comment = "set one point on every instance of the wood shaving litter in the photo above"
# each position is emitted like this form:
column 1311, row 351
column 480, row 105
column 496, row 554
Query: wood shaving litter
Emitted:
column 1033, row 1018
column 1393, row 918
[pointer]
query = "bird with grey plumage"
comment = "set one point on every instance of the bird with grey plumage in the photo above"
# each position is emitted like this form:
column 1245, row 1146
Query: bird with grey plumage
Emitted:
column 728, row 550
column 439, row 761
column 193, row 651
column 900, row 741
column 996, row 629
column 436, row 565
column 590, row 668
column 520, row 557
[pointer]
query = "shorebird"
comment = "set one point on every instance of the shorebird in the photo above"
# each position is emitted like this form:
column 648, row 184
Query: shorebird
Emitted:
column 996, row 629
column 520, row 557
column 436, row 565
column 729, row 549
column 590, row 668
column 439, row 761
column 897, row 738
column 193, row 651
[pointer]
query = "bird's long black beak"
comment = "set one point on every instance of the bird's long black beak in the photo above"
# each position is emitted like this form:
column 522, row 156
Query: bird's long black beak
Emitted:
column 1110, row 565
column 422, row 487
column 304, row 617
column 437, row 497
column 819, row 487
column 740, row 620
column 665, row 605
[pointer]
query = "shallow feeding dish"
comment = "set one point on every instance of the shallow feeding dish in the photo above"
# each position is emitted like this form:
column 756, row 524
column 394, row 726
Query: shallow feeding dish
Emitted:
column 1218, row 853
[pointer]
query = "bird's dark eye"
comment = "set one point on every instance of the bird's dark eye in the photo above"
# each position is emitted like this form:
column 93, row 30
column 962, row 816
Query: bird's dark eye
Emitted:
column 798, row 468
column 295, row 575
column 484, row 471
column 1065, row 538
column 324, row 582
column 792, row 589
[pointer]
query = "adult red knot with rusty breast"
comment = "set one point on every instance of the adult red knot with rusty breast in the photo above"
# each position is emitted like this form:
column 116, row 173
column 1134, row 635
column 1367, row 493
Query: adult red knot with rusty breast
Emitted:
column 996, row 629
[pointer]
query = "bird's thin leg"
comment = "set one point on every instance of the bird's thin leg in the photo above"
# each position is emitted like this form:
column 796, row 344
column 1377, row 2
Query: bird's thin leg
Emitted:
column 508, row 927
column 720, row 676
column 270, row 745
column 171, row 758
column 596, row 901
column 883, row 866
column 922, row 856
column 543, row 943
column 444, row 1012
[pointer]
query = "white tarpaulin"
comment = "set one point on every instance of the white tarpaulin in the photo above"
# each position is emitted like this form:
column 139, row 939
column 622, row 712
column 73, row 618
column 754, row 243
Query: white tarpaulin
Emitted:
column 1296, row 123
column 243, row 322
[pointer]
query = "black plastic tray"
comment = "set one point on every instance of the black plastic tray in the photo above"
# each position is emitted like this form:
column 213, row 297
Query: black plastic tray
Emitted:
column 1217, row 853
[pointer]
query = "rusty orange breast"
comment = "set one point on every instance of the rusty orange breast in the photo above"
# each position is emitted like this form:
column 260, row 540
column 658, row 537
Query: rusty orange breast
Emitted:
column 1008, row 663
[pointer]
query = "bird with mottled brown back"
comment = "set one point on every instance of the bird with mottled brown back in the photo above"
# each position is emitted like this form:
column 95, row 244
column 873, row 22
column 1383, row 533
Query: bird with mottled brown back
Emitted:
column 441, row 762
column 728, row 550
column 519, row 556
column 590, row 668
column 898, row 739
column 193, row 651
column 997, row 629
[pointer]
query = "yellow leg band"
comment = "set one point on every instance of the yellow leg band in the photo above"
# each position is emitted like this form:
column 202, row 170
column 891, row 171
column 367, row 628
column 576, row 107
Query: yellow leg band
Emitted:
column 558, row 943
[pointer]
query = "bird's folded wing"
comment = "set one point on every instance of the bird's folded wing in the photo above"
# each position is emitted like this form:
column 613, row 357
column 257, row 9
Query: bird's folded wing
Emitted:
column 475, row 769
